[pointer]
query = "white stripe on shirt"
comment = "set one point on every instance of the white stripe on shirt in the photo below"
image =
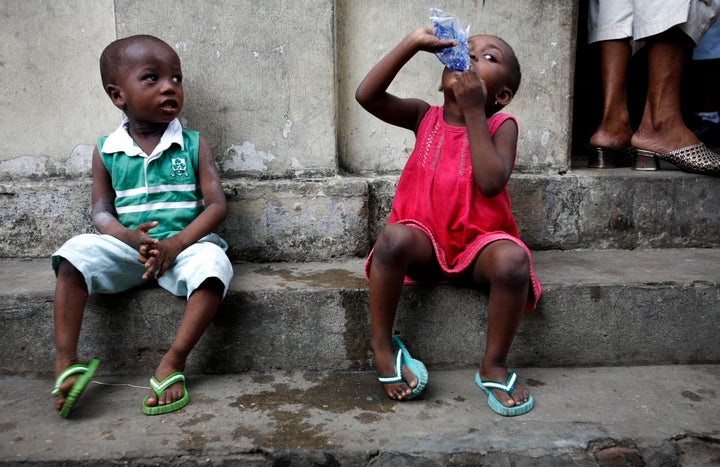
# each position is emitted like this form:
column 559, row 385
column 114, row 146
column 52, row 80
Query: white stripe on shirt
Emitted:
column 156, row 206
column 154, row 189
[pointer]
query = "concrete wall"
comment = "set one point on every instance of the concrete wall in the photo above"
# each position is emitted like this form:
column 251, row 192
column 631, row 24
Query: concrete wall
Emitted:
column 51, row 99
column 270, row 84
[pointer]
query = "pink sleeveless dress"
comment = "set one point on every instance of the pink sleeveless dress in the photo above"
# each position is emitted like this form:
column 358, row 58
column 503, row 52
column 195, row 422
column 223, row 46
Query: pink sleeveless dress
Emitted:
column 437, row 194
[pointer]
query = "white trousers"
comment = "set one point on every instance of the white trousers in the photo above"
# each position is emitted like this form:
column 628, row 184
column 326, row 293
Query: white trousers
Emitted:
column 640, row 19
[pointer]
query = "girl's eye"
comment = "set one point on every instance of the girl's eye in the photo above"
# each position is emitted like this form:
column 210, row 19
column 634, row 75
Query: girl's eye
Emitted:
column 489, row 57
column 177, row 79
column 150, row 77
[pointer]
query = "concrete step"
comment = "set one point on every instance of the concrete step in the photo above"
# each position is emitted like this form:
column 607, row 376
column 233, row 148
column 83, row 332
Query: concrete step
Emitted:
column 600, row 307
column 339, row 217
column 648, row 415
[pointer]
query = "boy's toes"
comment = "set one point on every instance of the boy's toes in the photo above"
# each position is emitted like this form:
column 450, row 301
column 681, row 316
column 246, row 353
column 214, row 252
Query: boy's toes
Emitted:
column 151, row 400
column 59, row 402
column 168, row 396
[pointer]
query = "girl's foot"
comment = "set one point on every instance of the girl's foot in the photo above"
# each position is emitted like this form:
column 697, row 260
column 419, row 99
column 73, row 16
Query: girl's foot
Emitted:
column 385, row 366
column 520, row 394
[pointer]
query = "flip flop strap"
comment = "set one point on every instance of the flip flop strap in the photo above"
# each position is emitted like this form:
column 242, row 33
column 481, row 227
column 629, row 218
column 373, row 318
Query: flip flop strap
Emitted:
column 69, row 371
column 160, row 386
column 507, row 388
column 397, row 377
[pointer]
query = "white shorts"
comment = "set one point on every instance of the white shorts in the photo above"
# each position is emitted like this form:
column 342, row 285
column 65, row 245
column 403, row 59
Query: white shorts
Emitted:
column 640, row 19
column 111, row 266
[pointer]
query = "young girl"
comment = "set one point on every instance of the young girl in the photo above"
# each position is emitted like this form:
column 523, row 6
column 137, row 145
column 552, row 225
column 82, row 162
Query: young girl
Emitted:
column 451, row 216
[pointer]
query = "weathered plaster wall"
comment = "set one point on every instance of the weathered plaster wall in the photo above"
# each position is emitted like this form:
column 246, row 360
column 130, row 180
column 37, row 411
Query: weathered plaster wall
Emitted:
column 270, row 84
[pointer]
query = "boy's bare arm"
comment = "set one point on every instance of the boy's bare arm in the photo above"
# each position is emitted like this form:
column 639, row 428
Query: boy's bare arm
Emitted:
column 372, row 92
column 103, row 209
column 208, row 221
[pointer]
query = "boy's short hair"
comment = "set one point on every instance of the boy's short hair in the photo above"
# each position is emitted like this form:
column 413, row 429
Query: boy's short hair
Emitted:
column 112, row 57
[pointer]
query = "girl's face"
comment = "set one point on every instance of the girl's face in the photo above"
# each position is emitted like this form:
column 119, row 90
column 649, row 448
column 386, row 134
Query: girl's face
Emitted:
column 490, row 58
column 151, row 83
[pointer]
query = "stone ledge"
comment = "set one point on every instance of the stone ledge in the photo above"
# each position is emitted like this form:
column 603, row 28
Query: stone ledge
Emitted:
column 336, row 218
column 605, row 307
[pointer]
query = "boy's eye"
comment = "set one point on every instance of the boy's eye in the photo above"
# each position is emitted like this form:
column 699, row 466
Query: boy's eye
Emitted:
column 489, row 57
column 150, row 77
column 177, row 79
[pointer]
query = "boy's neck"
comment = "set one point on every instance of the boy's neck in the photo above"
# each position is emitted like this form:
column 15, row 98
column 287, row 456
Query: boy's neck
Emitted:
column 146, row 135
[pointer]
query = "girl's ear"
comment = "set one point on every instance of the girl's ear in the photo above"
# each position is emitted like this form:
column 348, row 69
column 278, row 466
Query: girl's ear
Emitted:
column 116, row 95
column 504, row 96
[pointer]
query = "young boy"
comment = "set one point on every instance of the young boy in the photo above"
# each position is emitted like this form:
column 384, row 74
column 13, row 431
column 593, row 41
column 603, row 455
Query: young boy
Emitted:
column 156, row 200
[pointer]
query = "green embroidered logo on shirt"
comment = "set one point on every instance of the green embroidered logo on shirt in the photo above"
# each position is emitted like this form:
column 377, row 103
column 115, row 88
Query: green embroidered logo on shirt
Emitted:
column 179, row 167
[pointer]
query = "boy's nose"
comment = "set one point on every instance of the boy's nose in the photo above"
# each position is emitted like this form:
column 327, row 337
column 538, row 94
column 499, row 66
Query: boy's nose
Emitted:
column 169, row 86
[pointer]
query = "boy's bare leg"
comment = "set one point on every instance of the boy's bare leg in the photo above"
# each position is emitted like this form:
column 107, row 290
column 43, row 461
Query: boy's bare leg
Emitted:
column 69, row 305
column 397, row 248
column 199, row 313
column 614, row 130
column 506, row 267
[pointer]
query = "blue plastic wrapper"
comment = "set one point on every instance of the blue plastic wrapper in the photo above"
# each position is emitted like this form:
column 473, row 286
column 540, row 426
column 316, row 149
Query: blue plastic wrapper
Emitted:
column 447, row 26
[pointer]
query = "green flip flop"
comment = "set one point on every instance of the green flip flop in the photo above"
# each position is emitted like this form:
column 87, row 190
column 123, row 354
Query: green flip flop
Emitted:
column 488, row 385
column 159, row 387
column 402, row 357
column 85, row 373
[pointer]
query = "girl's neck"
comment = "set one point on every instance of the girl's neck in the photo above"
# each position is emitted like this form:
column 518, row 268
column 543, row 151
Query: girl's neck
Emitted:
column 453, row 116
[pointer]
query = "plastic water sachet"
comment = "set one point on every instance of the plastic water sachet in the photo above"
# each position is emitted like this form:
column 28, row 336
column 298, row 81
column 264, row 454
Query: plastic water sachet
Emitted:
column 447, row 26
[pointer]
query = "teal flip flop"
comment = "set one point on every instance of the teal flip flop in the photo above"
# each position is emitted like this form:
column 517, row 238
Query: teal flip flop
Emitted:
column 159, row 387
column 85, row 373
column 508, row 387
column 403, row 357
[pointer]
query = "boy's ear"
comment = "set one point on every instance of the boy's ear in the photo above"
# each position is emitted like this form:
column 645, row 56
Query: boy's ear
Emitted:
column 504, row 96
column 116, row 95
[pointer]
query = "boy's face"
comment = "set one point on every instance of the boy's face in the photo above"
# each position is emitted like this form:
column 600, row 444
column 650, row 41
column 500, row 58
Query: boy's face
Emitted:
column 490, row 58
column 150, row 83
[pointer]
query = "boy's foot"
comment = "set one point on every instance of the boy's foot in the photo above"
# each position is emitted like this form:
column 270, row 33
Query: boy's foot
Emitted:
column 173, row 393
column 64, row 387
column 70, row 383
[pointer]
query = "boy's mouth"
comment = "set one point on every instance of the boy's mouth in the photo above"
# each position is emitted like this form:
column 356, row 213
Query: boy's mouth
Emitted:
column 169, row 104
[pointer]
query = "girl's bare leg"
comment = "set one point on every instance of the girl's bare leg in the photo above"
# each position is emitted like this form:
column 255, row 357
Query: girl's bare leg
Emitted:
column 398, row 249
column 505, row 267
